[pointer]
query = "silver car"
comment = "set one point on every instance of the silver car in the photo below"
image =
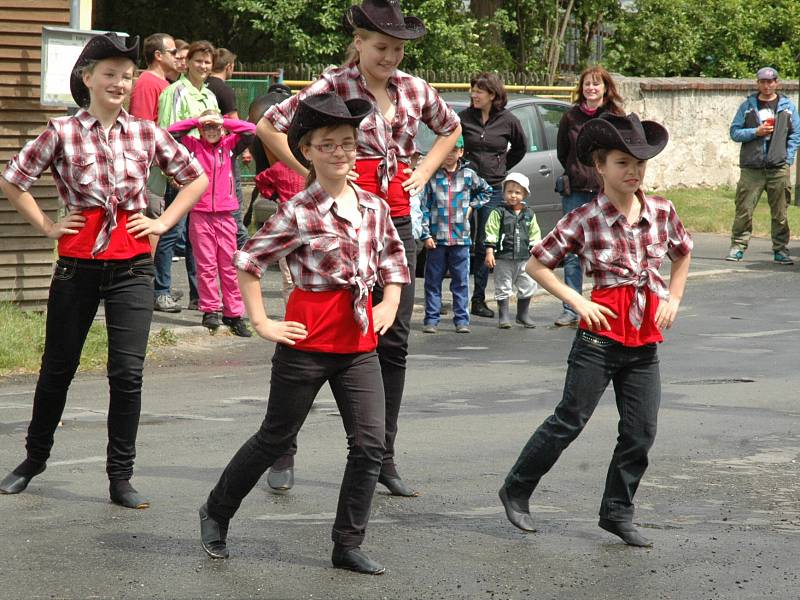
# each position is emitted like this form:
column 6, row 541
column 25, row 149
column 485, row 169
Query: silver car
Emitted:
column 539, row 118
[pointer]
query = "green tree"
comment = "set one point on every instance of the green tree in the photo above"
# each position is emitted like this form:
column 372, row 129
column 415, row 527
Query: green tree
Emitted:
column 708, row 38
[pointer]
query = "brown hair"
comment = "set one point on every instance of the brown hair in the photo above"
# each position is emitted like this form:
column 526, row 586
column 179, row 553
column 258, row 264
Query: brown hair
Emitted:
column 489, row 82
column 152, row 44
column 181, row 44
column 222, row 58
column 599, row 156
column 202, row 46
column 305, row 140
column 351, row 55
column 611, row 98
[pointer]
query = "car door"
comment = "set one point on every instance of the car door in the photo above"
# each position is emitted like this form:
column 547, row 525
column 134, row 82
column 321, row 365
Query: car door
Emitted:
column 540, row 166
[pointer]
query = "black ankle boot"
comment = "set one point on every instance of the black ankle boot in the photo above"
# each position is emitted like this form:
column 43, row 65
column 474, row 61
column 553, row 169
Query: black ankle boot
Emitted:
column 354, row 559
column 480, row 309
column 124, row 494
column 213, row 535
column 19, row 478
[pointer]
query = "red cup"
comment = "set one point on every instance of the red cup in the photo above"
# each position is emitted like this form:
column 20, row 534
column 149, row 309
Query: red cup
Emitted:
column 769, row 122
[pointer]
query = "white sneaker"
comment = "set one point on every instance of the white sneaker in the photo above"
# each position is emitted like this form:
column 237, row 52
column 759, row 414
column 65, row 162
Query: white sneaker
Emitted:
column 166, row 303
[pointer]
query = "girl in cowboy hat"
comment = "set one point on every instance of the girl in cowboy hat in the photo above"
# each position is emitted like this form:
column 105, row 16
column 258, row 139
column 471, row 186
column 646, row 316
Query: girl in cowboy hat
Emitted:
column 384, row 151
column 622, row 236
column 99, row 159
column 339, row 241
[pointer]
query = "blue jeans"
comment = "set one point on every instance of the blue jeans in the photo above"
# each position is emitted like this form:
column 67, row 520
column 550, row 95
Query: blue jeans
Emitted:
column 166, row 250
column 573, row 275
column 438, row 261
column 241, row 231
column 594, row 362
column 479, row 269
column 78, row 286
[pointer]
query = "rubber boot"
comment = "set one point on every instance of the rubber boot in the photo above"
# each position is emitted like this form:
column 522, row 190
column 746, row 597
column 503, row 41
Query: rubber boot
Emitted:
column 502, row 312
column 523, row 318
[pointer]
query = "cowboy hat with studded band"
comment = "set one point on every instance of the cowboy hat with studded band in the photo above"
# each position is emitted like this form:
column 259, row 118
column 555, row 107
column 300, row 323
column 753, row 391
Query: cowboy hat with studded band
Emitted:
column 107, row 45
column 383, row 16
column 323, row 110
column 641, row 139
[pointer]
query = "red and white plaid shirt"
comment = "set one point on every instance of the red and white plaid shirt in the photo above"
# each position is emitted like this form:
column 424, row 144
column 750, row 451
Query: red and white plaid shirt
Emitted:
column 414, row 101
column 615, row 253
column 325, row 252
column 92, row 171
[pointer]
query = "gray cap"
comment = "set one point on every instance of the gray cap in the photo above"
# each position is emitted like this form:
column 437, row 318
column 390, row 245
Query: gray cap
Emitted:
column 767, row 73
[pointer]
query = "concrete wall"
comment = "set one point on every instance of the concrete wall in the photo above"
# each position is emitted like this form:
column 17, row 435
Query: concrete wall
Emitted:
column 698, row 114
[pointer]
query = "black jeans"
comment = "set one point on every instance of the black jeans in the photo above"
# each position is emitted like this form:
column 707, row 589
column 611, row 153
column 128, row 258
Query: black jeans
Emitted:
column 392, row 352
column 479, row 269
column 297, row 377
column 126, row 288
column 594, row 362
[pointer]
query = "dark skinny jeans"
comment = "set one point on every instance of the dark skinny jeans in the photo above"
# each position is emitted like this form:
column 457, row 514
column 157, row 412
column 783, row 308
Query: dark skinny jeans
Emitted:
column 78, row 286
column 297, row 377
column 593, row 363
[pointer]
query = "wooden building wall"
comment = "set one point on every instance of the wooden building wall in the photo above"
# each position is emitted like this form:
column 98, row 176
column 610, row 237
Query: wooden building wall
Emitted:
column 26, row 257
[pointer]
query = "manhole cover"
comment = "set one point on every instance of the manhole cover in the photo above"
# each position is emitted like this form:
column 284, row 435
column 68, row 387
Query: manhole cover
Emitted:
column 714, row 381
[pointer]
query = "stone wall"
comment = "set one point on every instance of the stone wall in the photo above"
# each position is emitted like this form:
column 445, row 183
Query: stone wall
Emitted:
column 698, row 114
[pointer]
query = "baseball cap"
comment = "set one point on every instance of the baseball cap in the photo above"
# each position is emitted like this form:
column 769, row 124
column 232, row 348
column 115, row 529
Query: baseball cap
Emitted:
column 520, row 179
column 767, row 73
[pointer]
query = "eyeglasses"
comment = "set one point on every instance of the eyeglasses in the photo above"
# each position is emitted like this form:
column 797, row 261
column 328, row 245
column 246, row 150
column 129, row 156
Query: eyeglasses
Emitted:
column 331, row 148
column 211, row 127
column 172, row 51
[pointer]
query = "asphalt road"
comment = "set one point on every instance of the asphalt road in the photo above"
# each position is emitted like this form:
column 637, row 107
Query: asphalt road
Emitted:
column 720, row 499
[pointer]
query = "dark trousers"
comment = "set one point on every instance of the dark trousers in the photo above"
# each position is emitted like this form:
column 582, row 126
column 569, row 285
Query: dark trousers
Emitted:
column 126, row 287
column 167, row 245
column 479, row 269
column 594, row 362
column 392, row 352
column 297, row 377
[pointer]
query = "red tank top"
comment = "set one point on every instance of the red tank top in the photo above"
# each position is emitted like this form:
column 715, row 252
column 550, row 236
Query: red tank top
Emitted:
column 619, row 300
column 329, row 321
column 122, row 244
column 398, row 199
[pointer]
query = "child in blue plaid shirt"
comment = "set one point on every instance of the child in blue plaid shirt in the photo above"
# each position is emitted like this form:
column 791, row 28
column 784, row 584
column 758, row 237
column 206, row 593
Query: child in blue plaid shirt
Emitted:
column 447, row 200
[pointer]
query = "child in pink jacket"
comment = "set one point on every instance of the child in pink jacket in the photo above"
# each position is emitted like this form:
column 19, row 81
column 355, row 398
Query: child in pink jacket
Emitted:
column 212, row 229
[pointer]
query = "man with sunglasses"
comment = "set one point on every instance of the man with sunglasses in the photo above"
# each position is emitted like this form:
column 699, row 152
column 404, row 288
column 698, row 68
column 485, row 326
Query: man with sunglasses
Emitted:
column 159, row 54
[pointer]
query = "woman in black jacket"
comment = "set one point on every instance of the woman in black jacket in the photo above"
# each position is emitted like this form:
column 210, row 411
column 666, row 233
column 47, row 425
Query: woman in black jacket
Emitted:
column 597, row 94
column 493, row 143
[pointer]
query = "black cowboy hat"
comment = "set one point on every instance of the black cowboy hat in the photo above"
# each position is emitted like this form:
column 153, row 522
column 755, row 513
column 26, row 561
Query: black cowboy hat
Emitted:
column 641, row 139
column 383, row 16
column 107, row 45
column 323, row 110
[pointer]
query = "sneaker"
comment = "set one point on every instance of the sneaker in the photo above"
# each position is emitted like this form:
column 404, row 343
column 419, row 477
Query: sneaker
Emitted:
column 176, row 294
column 429, row 329
column 735, row 254
column 782, row 257
column 566, row 319
column 193, row 302
column 237, row 326
column 462, row 329
column 211, row 320
column 165, row 303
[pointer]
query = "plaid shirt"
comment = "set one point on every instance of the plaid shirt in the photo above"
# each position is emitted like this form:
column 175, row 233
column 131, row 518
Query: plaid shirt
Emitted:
column 445, row 201
column 414, row 101
column 615, row 253
column 92, row 172
column 324, row 252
